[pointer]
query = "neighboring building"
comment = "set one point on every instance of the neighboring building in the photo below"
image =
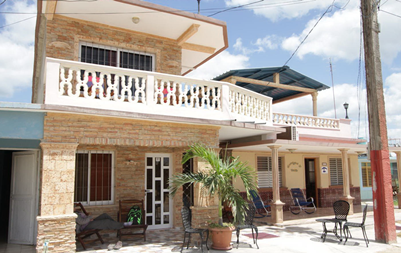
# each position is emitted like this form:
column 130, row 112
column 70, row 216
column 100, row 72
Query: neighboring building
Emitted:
column 119, row 115
column 366, row 176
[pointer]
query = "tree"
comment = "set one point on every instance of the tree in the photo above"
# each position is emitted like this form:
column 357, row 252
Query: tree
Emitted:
column 218, row 179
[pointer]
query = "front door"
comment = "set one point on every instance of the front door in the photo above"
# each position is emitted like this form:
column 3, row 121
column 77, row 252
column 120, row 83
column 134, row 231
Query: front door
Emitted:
column 23, row 198
column 310, row 179
column 158, row 202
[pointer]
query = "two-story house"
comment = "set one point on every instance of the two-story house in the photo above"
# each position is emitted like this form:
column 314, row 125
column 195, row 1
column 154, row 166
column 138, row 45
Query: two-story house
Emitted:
column 120, row 113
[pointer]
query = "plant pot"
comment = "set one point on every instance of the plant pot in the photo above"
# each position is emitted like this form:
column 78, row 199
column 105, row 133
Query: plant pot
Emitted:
column 221, row 238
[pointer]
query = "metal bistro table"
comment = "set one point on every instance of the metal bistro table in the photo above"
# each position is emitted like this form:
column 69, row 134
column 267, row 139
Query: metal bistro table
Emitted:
column 334, row 231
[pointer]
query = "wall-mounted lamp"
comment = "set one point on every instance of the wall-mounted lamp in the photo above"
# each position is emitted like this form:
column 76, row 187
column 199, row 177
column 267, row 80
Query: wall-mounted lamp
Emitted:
column 346, row 109
column 292, row 150
column 135, row 20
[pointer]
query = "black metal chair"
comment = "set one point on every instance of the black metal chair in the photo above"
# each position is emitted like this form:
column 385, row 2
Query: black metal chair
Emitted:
column 357, row 225
column 301, row 203
column 341, row 209
column 248, row 223
column 186, row 221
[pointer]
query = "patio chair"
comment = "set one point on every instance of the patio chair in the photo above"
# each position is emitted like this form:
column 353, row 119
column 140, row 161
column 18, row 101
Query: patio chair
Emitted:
column 341, row 209
column 80, row 236
column 138, row 226
column 186, row 221
column 259, row 205
column 301, row 203
column 357, row 225
column 248, row 223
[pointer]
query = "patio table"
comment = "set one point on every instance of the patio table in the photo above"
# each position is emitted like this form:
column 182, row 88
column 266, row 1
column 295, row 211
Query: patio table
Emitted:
column 334, row 231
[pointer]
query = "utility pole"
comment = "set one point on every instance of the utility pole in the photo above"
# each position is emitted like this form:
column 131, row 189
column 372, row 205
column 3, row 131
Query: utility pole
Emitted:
column 379, row 154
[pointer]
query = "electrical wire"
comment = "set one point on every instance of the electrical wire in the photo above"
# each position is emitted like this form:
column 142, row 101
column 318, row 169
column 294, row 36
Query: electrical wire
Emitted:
column 300, row 44
column 239, row 6
column 3, row 2
column 17, row 22
column 398, row 16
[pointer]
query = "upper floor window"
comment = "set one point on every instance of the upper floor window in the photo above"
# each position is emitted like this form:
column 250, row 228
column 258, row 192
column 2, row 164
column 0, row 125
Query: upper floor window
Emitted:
column 94, row 177
column 116, row 57
column 336, row 171
column 265, row 171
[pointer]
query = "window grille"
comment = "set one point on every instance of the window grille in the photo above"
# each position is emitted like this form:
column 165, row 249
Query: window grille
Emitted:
column 94, row 177
column 265, row 171
column 336, row 171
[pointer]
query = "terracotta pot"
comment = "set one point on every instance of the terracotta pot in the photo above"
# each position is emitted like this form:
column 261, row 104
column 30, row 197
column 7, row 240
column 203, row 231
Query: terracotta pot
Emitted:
column 221, row 238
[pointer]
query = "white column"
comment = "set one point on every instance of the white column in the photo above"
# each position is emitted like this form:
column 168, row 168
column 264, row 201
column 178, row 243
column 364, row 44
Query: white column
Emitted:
column 277, row 205
column 314, row 100
column 346, row 181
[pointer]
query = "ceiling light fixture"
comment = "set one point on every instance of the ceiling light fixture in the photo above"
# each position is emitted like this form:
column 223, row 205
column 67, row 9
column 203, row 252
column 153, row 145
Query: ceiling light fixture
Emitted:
column 135, row 20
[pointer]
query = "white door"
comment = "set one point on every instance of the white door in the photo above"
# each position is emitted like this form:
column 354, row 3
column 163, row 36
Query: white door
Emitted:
column 157, row 201
column 23, row 197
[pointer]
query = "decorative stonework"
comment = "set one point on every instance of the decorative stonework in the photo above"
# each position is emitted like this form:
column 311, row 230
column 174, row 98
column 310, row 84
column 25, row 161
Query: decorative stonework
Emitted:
column 202, row 216
column 59, row 231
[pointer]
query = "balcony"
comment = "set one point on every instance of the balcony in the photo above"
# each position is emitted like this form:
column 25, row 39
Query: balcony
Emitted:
column 70, row 83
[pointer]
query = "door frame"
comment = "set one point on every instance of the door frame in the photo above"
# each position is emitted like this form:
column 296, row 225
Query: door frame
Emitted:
column 36, row 154
column 171, row 213
column 316, row 163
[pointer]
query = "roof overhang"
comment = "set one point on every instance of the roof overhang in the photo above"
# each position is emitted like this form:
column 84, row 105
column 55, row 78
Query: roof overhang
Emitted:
column 201, row 38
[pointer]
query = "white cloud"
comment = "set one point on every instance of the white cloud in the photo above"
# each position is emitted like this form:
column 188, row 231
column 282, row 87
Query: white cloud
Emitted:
column 278, row 10
column 269, row 42
column 337, row 36
column 219, row 65
column 16, row 48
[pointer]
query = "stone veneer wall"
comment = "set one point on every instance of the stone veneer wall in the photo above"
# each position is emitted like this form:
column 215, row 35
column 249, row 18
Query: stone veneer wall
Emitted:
column 64, row 35
column 56, row 220
column 130, row 140
column 59, row 231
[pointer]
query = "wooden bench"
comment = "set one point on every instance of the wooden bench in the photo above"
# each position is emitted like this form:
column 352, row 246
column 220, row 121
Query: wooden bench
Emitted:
column 124, row 207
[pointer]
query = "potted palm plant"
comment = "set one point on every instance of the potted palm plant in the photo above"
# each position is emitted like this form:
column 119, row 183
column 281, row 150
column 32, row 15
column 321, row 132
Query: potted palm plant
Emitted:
column 217, row 180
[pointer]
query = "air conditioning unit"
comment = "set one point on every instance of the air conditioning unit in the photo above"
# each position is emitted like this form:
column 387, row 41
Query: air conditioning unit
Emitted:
column 294, row 133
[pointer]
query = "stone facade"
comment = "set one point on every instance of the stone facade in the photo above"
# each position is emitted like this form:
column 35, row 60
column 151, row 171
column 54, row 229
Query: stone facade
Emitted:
column 59, row 231
column 129, row 140
column 64, row 35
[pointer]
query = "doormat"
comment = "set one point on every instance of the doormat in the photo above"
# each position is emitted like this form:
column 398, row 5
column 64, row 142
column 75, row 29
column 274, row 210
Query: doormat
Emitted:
column 262, row 236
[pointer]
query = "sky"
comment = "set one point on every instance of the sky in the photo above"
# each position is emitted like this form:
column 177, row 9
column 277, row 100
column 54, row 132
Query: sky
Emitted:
column 260, row 34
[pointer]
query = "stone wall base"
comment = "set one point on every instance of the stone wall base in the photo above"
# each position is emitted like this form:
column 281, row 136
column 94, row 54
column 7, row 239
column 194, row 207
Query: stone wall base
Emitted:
column 59, row 231
column 202, row 216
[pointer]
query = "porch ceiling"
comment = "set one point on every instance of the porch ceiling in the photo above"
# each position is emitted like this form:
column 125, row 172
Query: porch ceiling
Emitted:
column 200, row 37
column 300, row 146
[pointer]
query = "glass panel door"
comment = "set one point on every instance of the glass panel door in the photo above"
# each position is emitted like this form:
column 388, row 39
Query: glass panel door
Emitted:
column 158, row 203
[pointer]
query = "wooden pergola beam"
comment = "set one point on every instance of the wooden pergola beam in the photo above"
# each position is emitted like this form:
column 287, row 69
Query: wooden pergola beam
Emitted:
column 198, row 48
column 50, row 9
column 273, row 84
column 188, row 34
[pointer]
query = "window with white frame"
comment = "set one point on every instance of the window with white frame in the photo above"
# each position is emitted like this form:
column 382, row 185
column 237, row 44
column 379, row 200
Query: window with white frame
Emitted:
column 265, row 171
column 94, row 177
column 336, row 171
column 116, row 57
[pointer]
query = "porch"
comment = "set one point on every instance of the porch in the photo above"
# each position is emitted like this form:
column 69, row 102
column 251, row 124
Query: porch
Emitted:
column 301, row 228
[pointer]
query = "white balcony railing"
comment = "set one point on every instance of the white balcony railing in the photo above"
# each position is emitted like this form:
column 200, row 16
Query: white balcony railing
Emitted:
column 305, row 121
column 73, row 83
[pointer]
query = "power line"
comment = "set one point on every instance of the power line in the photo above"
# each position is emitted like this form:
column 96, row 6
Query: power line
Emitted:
column 17, row 22
column 327, row 10
column 398, row 16
column 235, row 7
column 3, row 2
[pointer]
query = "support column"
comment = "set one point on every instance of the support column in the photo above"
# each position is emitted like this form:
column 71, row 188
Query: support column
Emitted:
column 205, row 208
column 56, row 220
column 314, row 100
column 346, row 182
column 399, row 177
column 277, row 205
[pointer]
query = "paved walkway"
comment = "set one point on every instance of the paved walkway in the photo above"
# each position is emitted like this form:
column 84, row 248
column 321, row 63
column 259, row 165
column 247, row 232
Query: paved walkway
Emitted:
column 298, row 234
